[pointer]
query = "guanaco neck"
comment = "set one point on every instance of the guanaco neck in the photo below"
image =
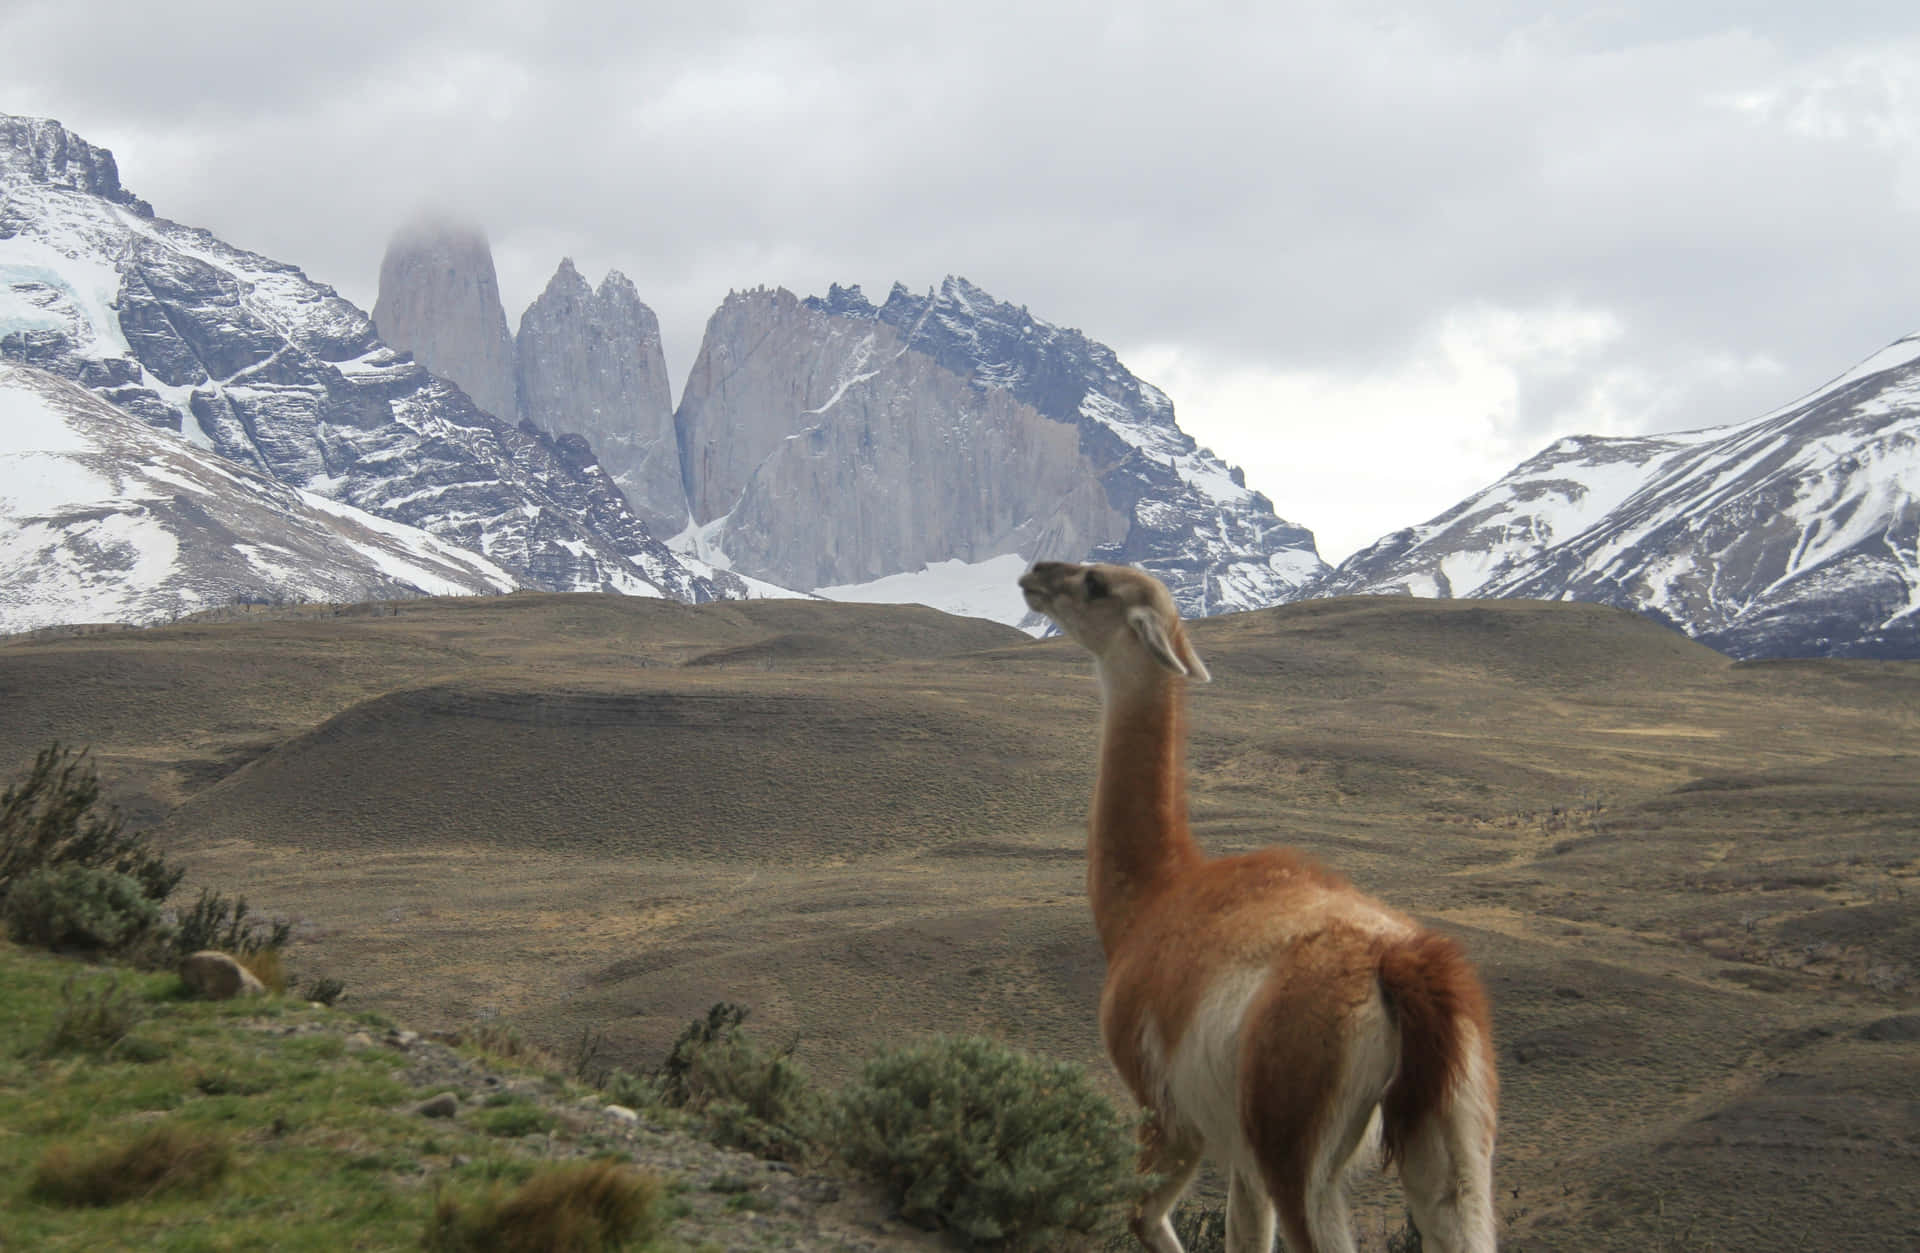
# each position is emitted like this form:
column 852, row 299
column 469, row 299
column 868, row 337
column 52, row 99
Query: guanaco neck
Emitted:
column 1137, row 837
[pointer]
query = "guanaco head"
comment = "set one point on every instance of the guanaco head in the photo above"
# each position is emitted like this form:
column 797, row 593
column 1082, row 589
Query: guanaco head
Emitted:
column 1116, row 613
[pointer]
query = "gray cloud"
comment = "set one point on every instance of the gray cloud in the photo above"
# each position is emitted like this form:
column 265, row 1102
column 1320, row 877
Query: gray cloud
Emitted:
column 1298, row 187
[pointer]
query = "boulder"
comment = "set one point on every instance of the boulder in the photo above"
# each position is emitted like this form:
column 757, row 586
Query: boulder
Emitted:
column 218, row 977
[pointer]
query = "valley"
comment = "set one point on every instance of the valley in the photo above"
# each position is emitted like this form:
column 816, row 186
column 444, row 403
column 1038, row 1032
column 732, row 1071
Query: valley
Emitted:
column 1688, row 882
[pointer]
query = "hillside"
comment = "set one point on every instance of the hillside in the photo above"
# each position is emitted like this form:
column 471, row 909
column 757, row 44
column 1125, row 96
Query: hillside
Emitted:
column 305, row 1127
column 1796, row 534
column 1688, row 881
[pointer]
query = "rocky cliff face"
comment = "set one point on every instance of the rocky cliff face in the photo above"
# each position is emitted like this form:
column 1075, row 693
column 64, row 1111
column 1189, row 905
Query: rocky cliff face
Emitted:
column 39, row 150
column 1795, row 535
column 248, row 358
column 845, row 458
column 830, row 441
column 590, row 364
column 440, row 300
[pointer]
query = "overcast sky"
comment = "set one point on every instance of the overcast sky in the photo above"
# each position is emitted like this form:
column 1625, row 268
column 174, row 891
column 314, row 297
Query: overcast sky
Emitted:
column 1376, row 254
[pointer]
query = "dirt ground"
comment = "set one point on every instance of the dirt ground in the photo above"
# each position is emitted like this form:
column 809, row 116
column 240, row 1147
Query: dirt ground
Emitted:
column 1689, row 884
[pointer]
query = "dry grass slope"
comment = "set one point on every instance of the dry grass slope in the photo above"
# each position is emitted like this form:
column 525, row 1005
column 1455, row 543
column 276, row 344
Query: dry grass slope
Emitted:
column 1690, row 883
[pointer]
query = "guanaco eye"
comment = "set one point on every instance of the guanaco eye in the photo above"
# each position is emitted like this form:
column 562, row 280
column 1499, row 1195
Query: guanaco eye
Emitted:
column 1096, row 586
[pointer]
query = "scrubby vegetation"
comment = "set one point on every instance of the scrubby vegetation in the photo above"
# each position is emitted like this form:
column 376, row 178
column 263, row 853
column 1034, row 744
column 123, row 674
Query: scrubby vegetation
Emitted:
column 215, row 922
column 576, row 1209
column 752, row 1097
column 74, row 879
column 53, row 817
column 167, row 1158
column 998, row 1146
column 80, row 909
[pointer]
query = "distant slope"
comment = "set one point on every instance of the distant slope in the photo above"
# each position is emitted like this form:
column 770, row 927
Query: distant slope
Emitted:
column 1797, row 534
column 1687, row 881
column 104, row 519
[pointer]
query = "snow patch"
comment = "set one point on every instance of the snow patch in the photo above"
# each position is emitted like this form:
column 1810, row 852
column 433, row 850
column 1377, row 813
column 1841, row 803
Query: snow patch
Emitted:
column 969, row 589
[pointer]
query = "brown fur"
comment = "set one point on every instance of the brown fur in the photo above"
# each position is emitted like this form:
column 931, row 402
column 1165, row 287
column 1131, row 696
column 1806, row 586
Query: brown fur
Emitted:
column 1430, row 988
column 1221, row 913
column 1292, row 1056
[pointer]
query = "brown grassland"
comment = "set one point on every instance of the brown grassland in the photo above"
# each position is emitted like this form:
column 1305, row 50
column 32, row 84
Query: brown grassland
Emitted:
column 1690, row 884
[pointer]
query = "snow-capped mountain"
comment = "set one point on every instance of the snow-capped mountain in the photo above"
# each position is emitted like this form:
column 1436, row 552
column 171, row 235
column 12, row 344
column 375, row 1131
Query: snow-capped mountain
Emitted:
column 907, row 448
column 105, row 519
column 1796, row 534
column 248, row 358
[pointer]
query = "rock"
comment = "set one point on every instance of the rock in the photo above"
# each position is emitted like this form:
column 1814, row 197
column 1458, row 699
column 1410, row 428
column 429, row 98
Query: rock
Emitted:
column 41, row 150
column 218, row 977
column 440, row 300
column 836, row 442
column 401, row 1039
column 590, row 364
column 445, row 1105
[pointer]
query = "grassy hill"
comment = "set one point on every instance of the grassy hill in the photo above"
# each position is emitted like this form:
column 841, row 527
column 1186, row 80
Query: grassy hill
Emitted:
column 1689, row 883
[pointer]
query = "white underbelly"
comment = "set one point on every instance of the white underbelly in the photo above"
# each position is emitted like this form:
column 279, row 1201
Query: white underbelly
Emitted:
column 1201, row 1078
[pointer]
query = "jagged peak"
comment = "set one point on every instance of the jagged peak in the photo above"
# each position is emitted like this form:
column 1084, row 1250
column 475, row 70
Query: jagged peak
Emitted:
column 41, row 150
column 567, row 281
column 844, row 302
column 615, row 281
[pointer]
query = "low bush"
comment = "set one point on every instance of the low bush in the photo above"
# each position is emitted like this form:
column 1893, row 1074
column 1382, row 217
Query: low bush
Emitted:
column 1000, row 1147
column 80, row 908
column 502, row 1042
column 215, row 922
column 266, row 965
column 93, row 1023
column 323, row 990
column 163, row 1159
column 576, row 1209
column 635, row 1091
column 752, row 1098
column 53, row 816
column 517, row 1119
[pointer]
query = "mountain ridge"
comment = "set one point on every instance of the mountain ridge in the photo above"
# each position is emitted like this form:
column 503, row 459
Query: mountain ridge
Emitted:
column 249, row 358
column 1796, row 533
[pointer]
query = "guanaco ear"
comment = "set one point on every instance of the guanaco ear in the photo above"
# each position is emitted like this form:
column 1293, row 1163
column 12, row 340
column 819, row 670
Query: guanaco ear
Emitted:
column 1146, row 624
column 1196, row 668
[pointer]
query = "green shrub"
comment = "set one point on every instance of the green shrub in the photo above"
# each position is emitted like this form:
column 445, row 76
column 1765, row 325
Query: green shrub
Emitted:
column 502, row 1042
column 575, row 1209
column 325, row 991
column 998, row 1146
column 752, row 1098
column 162, row 1159
column 517, row 1119
column 623, row 1087
column 93, row 1023
column 215, row 922
column 722, row 1021
column 52, row 817
column 80, row 908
